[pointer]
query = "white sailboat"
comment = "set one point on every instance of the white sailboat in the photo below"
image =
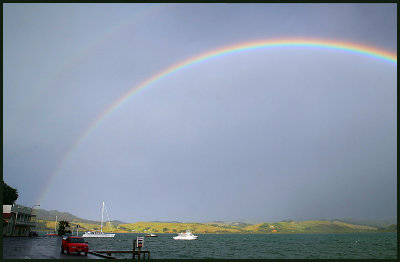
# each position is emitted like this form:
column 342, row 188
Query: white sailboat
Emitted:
column 99, row 233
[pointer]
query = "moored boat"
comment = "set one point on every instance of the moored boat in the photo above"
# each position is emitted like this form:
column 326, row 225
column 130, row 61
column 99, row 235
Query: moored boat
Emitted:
column 185, row 236
column 93, row 233
column 51, row 234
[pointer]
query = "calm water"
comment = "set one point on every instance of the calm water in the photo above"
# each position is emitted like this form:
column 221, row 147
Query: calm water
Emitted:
column 334, row 246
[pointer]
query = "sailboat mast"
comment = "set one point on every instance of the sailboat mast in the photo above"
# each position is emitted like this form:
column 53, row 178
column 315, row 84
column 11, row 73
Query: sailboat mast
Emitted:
column 102, row 212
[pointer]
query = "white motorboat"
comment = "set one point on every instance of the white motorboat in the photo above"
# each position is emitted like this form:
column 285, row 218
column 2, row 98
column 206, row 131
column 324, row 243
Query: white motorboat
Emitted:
column 100, row 233
column 185, row 236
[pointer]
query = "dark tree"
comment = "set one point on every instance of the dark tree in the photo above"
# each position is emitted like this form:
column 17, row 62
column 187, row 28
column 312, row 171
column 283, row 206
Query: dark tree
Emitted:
column 62, row 225
column 9, row 194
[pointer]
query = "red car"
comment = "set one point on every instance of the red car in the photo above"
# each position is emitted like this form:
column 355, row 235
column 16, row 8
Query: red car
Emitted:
column 74, row 244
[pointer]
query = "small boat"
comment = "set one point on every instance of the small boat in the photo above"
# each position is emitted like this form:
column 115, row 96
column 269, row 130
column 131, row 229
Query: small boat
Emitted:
column 100, row 233
column 185, row 236
column 151, row 235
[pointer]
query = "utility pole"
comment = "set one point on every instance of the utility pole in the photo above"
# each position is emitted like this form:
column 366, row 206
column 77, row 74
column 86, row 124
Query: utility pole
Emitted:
column 55, row 226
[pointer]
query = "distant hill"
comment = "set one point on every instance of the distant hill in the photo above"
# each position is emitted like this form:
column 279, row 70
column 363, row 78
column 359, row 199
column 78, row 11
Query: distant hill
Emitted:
column 312, row 226
column 237, row 227
column 46, row 222
column 370, row 222
column 51, row 215
column 160, row 227
column 173, row 221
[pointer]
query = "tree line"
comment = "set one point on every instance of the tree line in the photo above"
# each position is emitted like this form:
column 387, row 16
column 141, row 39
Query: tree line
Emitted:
column 10, row 195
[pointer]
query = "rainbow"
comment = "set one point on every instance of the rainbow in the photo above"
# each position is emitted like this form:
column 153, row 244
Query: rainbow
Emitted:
column 338, row 46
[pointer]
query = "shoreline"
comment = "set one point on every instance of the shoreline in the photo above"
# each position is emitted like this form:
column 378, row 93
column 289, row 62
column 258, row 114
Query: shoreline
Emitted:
column 245, row 233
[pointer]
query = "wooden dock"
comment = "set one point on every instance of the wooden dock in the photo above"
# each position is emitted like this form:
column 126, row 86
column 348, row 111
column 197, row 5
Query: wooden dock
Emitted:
column 134, row 252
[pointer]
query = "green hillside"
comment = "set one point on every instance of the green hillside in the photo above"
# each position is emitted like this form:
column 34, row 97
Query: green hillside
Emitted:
column 316, row 226
column 382, row 223
column 278, row 227
column 46, row 222
column 157, row 227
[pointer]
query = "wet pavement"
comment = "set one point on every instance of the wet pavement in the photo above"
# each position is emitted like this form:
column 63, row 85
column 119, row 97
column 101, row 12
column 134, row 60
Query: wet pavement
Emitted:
column 44, row 247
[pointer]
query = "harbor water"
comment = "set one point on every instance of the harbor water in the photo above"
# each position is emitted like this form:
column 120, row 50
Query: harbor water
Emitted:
column 258, row 246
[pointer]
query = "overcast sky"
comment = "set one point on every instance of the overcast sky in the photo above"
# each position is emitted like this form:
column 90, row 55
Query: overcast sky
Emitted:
column 263, row 135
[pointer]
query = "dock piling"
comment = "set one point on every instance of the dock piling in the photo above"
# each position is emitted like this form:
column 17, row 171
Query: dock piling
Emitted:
column 134, row 247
